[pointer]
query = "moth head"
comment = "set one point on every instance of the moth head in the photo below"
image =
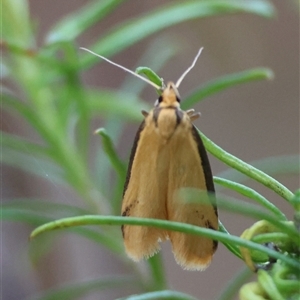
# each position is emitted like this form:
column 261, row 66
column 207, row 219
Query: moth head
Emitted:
column 169, row 96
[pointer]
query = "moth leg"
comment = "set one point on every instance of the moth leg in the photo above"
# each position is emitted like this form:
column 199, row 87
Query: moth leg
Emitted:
column 193, row 116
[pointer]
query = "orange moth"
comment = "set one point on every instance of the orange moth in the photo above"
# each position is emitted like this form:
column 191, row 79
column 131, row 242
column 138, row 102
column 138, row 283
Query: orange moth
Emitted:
column 168, row 167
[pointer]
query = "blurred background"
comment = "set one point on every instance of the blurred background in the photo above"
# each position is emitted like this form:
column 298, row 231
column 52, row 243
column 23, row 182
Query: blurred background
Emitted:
column 252, row 121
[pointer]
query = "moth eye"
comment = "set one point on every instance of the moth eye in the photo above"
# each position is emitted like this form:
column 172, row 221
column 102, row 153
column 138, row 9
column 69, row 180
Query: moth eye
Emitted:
column 159, row 100
column 177, row 99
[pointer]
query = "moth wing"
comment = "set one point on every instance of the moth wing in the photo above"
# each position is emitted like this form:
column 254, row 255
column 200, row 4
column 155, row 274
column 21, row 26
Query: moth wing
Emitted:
column 189, row 174
column 144, row 195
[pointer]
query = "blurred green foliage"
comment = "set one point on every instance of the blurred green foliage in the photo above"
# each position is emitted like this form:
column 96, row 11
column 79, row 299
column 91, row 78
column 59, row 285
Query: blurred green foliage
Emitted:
column 49, row 96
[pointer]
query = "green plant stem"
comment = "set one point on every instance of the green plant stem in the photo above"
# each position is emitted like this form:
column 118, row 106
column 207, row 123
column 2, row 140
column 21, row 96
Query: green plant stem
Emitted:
column 110, row 150
column 76, row 23
column 246, row 169
column 76, row 92
column 225, row 82
column 34, row 219
column 157, row 271
column 250, row 210
column 151, row 75
column 163, row 224
column 285, row 279
column 231, row 247
column 252, row 194
column 141, row 27
column 46, row 121
column 271, row 237
column 78, row 290
column 269, row 286
column 161, row 295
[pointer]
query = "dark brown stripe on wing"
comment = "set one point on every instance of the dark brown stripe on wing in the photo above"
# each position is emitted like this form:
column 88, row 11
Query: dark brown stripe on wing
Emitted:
column 132, row 154
column 179, row 116
column 205, row 164
column 156, row 112
column 215, row 243
column 204, row 160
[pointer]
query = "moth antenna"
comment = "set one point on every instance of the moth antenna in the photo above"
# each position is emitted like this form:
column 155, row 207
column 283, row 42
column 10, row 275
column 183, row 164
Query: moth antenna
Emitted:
column 123, row 68
column 189, row 68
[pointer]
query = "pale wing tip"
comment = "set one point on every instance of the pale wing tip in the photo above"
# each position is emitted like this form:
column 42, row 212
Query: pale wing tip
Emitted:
column 142, row 244
column 197, row 264
column 140, row 255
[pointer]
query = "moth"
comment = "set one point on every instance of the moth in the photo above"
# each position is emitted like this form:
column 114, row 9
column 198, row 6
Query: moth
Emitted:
column 169, row 177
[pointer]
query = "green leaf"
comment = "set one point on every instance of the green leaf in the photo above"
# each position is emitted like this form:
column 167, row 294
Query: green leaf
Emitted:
column 76, row 23
column 15, row 23
column 274, row 166
column 168, row 225
column 151, row 75
column 36, row 165
column 44, row 207
column 252, row 194
column 158, row 275
column 40, row 248
column 256, row 212
column 282, row 240
column 286, row 280
column 13, row 104
column 111, row 153
column 162, row 295
column 123, row 105
column 269, row 286
column 80, row 289
column 105, row 238
column 13, row 142
column 296, row 202
column 231, row 247
column 246, row 169
column 21, row 215
column 134, row 30
column 225, row 82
